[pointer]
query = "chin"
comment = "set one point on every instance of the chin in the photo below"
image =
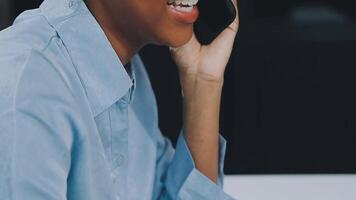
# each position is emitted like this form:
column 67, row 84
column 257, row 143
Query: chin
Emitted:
column 174, row 37
column 177, row 38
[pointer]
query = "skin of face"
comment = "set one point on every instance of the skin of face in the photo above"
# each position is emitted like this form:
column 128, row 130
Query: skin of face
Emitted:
column 147, row 21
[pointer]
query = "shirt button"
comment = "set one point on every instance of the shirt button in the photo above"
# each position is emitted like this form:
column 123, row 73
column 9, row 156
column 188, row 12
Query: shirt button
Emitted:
column 71, row 3
column 123, row 103
column 115, row 174
column 119, row 160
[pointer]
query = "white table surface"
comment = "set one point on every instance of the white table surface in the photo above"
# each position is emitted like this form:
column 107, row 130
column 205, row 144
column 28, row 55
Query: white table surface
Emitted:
column 291, row 187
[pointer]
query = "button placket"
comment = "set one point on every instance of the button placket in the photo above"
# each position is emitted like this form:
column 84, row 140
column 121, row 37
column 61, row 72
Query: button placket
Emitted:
column 119, row 144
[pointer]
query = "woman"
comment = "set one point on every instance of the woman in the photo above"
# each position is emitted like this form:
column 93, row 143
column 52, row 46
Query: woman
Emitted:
column 78, row 117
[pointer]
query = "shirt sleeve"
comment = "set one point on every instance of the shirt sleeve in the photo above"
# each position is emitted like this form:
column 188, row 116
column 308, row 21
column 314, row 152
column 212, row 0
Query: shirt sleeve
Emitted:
column 36, row 139
column 178, row 178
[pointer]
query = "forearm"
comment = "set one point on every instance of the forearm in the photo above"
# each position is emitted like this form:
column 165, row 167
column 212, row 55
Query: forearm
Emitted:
column 201, row 108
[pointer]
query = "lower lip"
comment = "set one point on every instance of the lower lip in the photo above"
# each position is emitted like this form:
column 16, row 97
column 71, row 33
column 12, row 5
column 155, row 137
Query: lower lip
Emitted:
column 185, row 17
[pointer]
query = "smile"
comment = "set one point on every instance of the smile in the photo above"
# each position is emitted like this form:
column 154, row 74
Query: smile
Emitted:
column 182, row 5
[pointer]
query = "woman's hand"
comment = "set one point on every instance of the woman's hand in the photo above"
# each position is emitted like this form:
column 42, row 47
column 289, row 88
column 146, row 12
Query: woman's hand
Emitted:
column 201, row 71
column 206, row 62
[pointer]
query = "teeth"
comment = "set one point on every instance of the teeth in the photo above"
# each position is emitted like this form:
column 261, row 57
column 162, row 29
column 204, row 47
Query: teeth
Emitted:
column 184, row 9
column 186, row 3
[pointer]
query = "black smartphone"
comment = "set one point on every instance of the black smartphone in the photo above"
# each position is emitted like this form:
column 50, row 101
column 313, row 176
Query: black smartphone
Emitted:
column 214, row 17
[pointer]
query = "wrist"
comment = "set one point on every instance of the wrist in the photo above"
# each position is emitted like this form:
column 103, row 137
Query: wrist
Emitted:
column 196, row 75
column 202, row 98
column 200, row 86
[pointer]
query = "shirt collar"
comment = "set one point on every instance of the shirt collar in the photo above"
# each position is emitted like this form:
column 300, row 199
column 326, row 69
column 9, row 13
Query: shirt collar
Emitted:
column 100, row 69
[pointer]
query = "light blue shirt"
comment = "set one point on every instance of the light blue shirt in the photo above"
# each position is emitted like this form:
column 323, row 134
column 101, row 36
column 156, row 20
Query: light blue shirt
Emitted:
column 75, row 125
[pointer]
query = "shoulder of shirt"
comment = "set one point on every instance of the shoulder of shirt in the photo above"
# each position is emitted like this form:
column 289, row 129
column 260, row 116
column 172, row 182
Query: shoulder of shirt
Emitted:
column 30, row 30
column 31, row 51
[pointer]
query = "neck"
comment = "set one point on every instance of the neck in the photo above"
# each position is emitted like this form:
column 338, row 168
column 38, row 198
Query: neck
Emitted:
column 126, row 45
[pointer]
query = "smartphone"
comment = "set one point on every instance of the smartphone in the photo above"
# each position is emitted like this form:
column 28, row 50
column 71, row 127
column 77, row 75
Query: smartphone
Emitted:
column 214, row 17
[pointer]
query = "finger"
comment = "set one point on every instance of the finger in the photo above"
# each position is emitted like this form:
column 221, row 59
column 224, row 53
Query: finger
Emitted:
column 235, row 24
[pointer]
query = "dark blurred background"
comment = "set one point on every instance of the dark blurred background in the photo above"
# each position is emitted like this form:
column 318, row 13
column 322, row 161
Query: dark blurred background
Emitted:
column 289, row 100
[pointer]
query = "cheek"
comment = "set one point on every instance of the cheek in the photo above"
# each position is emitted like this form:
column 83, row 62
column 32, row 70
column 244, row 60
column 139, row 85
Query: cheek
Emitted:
column 160, row 27
column 167, row 30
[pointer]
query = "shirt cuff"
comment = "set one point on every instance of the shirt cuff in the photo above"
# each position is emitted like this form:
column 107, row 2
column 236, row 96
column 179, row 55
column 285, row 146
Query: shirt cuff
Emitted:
column 186, row 182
